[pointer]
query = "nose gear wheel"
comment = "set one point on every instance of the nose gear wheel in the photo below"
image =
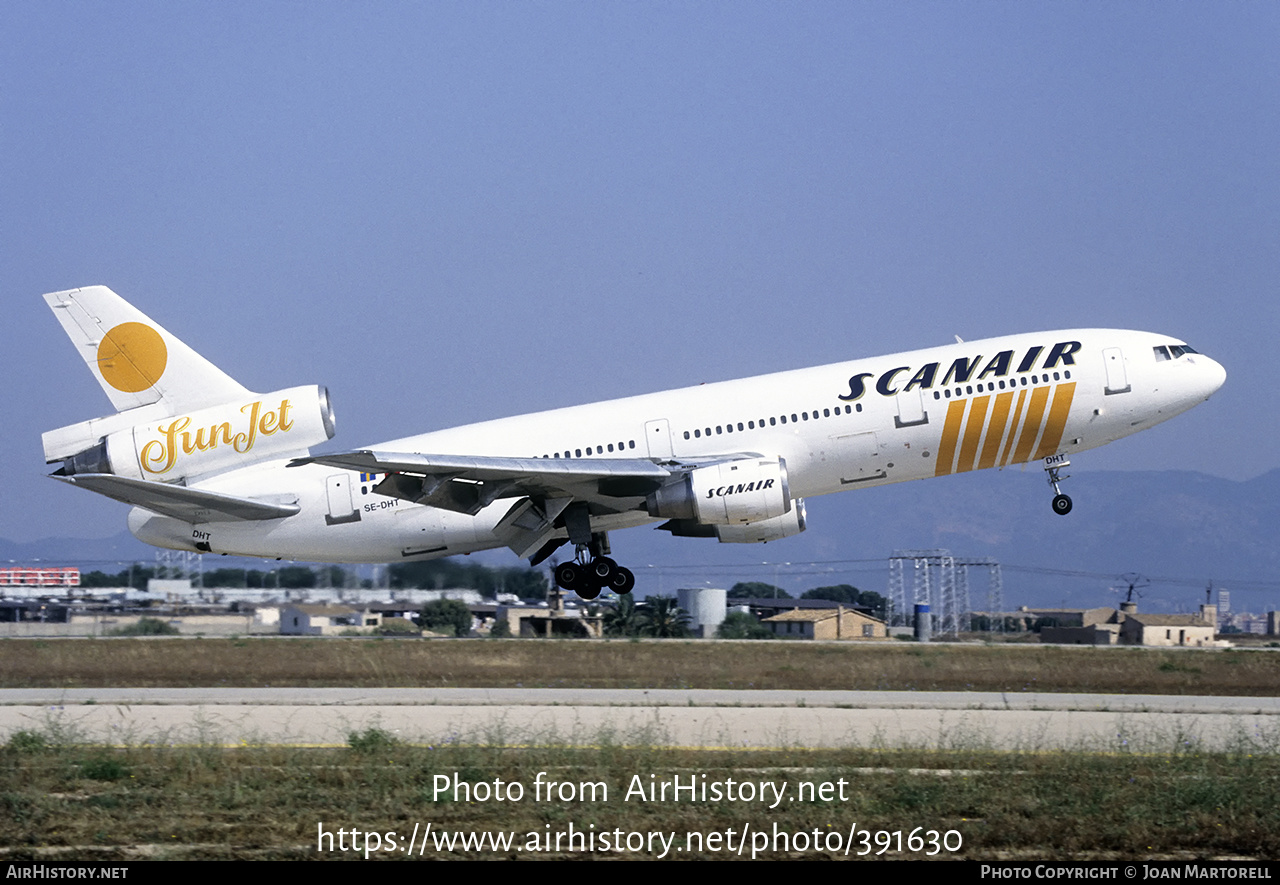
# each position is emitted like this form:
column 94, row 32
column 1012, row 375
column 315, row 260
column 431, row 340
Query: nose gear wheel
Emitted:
column 1061, row 502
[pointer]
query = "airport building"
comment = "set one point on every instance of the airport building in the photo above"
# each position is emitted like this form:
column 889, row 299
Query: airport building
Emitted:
column 840, row 622
column 326, row 620
column 1127, row 627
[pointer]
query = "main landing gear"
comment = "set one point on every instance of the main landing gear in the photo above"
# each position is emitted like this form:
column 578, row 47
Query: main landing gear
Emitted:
column 588, row 578
column 591, row 570
column 1052, row 464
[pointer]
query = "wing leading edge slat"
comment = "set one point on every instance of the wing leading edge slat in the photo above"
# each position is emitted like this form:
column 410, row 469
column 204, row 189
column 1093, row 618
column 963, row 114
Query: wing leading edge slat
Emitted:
column 467, row 484
column 482, row 469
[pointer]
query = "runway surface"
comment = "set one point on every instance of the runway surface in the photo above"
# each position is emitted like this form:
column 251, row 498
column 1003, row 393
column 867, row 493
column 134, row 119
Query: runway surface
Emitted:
column 683, row 718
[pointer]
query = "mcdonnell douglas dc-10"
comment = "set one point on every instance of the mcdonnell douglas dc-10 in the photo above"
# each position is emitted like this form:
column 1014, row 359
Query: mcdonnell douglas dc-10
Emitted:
column 209, row 466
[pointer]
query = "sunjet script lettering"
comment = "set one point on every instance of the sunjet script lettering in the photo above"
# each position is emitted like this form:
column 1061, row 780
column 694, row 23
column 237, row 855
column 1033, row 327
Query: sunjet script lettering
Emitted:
column 159, row 455
column 961, row 371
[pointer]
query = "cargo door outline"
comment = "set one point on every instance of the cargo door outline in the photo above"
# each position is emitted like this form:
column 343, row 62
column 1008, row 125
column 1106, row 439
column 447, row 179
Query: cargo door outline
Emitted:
column 859, row 458
column 431, row 530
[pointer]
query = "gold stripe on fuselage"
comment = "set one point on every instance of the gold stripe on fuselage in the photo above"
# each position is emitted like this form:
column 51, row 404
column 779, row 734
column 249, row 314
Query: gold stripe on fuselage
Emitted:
column 1031, row 426
column 995, row 430
column 1013, row 427
column 973, row 433
column 950, row 431
column 1017, row 424
column 1058, row 412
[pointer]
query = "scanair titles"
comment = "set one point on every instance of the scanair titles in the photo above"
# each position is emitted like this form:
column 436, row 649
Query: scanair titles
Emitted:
column 962, row 370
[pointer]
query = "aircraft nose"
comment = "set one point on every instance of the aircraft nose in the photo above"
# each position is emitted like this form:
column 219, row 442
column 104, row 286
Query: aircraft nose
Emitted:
column 1212, row 374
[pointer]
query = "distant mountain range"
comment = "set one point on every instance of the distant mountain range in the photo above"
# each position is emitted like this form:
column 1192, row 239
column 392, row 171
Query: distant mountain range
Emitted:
column 1177, row 529
column 1179, row 525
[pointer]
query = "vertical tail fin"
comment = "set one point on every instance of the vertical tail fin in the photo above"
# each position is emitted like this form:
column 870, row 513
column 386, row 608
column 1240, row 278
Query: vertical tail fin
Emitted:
column 210, row 423
column 138, row 362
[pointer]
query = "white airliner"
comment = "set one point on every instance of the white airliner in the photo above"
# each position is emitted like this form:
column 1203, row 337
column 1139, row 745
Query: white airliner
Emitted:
column 211, row 467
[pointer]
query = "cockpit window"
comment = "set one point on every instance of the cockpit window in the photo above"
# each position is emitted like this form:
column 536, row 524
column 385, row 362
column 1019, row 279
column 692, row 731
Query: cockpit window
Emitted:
column 1172, row 351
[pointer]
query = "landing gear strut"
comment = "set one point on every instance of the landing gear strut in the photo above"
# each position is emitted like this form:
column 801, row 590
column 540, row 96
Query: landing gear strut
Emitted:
column 1053, row 464
column 591, row 571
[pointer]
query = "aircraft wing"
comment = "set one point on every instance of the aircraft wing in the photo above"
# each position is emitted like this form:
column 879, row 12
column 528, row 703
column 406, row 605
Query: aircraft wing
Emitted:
column 467, row 484
column 180, row 502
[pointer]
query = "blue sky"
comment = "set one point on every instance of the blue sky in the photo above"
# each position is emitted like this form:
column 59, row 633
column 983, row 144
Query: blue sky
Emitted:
column 448, row 212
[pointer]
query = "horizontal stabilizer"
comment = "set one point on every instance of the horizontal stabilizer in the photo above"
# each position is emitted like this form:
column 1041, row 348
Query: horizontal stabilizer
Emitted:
column 180, row 502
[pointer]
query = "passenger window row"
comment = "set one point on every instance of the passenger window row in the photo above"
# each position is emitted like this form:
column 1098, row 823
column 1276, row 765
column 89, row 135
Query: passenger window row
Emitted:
column 720, row 429
column 596, row 450
column 992, row 385
column 794, row 418
column 798, row 417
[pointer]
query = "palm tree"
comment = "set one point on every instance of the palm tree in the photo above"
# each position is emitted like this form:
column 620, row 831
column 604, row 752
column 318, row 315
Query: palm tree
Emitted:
column 624, row 618
column 663, row 618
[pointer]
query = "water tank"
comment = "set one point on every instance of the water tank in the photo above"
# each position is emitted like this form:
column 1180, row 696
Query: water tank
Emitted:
column 705, row 607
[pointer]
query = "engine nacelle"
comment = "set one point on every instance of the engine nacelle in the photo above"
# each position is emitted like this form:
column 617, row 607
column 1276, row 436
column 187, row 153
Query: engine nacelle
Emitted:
column 784, row 526
column 728, row 494
column 212, row 440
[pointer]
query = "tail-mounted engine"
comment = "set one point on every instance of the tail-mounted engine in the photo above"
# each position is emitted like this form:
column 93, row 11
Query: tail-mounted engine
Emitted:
column 211, row 440
column 726, row 494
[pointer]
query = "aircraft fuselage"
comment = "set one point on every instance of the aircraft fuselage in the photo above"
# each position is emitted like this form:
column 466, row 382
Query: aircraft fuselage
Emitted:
column 866, row 422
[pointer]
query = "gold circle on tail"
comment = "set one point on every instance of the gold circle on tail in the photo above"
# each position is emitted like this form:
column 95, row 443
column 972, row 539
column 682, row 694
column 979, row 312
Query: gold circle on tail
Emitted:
column 132, row 357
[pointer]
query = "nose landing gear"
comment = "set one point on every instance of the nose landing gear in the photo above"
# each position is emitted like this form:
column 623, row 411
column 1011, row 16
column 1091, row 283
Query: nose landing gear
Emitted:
column 1053, row 464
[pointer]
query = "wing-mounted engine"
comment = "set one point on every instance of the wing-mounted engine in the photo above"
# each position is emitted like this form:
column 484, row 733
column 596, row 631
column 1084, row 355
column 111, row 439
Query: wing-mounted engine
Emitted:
column 790, row 523
column 730, row 493
column 793, row 522
column 177, row 447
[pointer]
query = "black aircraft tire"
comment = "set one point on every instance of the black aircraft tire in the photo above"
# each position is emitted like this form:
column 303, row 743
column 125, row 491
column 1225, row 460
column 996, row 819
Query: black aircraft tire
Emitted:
column 569, row 576
column 623, row 581
column 1061, row 505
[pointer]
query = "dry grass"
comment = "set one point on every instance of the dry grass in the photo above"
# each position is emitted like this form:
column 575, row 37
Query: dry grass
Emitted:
column 63, row 798
column 632, row 664
column 62, row 801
